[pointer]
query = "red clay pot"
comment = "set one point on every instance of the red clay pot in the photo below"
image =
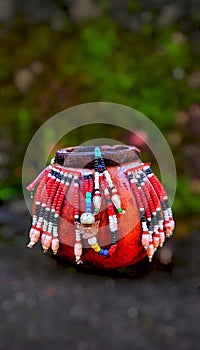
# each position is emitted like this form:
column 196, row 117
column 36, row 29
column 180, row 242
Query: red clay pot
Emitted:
column 129, row 247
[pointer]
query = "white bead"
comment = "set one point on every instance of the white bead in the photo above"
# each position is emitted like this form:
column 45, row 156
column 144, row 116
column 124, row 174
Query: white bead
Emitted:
column 87, row 218
column 97, row 201
column 155, row 228
column 116, row 201
column 55, row 230
column 144, row 225
column 92, row 240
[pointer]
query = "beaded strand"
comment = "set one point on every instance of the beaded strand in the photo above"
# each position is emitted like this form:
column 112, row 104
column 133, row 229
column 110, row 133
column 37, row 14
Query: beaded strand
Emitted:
column 97, row 194
column 40, row 202
column 111, row 217
column 78, row 244
column 168, row 217
column 35, row 231
column 102, row 168
column 153, row 205
column 46, row 238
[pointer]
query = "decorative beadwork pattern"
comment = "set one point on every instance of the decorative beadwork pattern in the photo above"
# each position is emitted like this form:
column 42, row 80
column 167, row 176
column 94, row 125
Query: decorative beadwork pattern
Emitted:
column 54, row 183
column 153, row 204
column 48, row 205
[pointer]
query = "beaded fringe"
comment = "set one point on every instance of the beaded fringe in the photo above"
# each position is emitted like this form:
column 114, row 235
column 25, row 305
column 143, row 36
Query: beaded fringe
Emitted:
column 53, row 184
column 153, row 204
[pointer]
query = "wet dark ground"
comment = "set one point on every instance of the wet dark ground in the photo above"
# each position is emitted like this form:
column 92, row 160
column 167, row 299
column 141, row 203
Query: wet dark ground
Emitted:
column 45, row 304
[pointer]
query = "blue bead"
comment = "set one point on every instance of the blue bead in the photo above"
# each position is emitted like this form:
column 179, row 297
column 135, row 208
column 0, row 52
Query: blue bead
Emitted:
column 105, row 252
column 101, row 251
column 88, row 195
column 148, row 171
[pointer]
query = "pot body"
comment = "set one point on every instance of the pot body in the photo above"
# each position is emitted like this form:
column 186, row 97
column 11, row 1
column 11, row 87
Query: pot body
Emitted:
column 130, row 216
column 129, row 248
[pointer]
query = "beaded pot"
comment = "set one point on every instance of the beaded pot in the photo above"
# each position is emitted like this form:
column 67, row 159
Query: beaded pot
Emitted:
column 100, row 206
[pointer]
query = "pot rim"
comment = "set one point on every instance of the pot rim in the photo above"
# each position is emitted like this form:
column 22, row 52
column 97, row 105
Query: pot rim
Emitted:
column 83, row 156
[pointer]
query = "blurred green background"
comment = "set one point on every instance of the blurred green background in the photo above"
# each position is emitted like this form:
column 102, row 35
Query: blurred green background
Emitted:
column 57, row 54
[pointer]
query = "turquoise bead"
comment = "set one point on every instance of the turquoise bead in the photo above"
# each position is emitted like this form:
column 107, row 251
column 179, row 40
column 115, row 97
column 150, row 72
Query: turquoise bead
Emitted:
column 97, row 152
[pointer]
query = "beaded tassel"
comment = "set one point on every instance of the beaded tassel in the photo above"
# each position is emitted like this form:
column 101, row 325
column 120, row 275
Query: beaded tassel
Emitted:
column 78, row 244
column 102, row 167
column 51, row 220
column 156, row 210
column 88, row 218
column 56, row 210
column 145, row 232
column 48, row 207
column 149, row 209
column 111, row 217
column 35, row 231
column 97, row 194
column 88, row 225
column 46, row 238
column 168, row 217
column 62, row 179
column 153, row 205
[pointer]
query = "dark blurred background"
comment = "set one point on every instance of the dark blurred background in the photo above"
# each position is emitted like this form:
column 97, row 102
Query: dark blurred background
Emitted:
column 55, row 54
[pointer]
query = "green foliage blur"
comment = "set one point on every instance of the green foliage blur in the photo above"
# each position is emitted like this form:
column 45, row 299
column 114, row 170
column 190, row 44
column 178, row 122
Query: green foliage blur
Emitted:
column 44, row 70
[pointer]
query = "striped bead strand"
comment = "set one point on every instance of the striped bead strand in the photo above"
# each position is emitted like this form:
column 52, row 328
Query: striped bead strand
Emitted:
column 153, row 219
column 115, row 196
column 48, row 181
column 88, row 186
column 140, row 184
column 169, row 221
column 154, row 203
column 65, row 185
column 144, row 223
column 151, row 247
column 46, row 238
column 97, row 194
column 55, row 240
column 152, row 228
column 67, row 178
column 113, row 225
column 167, row 212
column 78, row 244
column 35, row 232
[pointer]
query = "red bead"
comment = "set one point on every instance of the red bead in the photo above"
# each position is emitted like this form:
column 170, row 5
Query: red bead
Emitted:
column 112, row 249
column 111, row 211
